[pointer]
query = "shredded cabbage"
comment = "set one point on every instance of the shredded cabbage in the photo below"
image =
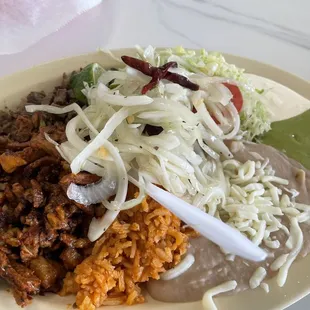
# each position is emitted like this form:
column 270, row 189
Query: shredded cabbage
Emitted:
column 254, row 117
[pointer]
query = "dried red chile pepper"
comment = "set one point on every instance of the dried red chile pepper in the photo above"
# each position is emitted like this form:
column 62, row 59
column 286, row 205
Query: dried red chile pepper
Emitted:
column 158, row 73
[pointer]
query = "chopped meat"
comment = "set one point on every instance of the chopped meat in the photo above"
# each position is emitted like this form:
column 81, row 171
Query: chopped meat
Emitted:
column 10, row 162
column 12, row 237
column 33, row 218
column 43, row 161
column 13, row 145
column 43, row 234
column 56, row 131
column 45, row 271
column 2, row 198
column 5, row 249
column 20, row 277
column 28, row 195
column 56, row 197
column 99, row 210
column 7, row 212
column 48, row 237
column 82, row 178
column 39, row 142
column 59, row 210
column 55, row 221
column 18, row 190
column 48, row 99
column 22, row 298
column 6, row 122
column 3, row 220
column 3, row 142
column 59, row 218
column 61, row 274
column 60, row 96
column 23, row 130
column 35, row 119
column 30, row 242
column 9, row 195
column 19, row 209
column 30, row 154
column 4, row 178
column 90, row 209
column 71, row 258
column 74, row 242
column 38, row 196
column 36, row 97
column 48, row 174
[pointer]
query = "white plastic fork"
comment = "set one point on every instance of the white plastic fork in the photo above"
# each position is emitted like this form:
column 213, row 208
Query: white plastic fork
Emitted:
column 208, row 226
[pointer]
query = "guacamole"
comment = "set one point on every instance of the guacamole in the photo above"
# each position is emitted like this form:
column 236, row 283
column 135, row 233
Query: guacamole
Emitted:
column 292, row 137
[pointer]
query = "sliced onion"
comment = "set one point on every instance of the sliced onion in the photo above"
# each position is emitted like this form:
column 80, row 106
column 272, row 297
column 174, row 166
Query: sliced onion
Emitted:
column 216, row 144
column 98, row 226
column 58, row 110
column 71, row 133
column 236, row 120
column 122, row 179
column 135, row 201
column 202, row 111
column 101, row 138
column 92, row 193
column 208, row 150
column 217, row 110
column 50, row 140
column 155, row 116
column 219, row 93
column 165, row 140
column 125, row 100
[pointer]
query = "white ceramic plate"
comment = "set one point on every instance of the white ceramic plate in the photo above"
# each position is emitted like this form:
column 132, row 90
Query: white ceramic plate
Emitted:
column 46, row 76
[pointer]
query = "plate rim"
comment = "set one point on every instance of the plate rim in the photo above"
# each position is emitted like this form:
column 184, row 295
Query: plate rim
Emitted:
column 292, row 81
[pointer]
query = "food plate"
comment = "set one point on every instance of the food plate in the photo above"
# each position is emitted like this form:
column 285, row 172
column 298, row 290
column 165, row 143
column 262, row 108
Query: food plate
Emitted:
column 46, row 76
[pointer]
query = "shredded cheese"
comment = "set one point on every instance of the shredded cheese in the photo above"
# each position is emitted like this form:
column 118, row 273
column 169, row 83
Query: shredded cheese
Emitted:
column 297, row 237
column 265, row 287
column 255, row 206
column 272, row 244
column 278, row 262
column 207, row 300
column 257, row 277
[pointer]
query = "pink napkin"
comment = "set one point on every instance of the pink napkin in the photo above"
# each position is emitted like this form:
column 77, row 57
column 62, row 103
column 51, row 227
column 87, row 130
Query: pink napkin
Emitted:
column 24, row 22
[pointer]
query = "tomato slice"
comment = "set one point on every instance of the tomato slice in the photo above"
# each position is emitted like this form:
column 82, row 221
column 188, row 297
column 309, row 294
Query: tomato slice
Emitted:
column 237, row 98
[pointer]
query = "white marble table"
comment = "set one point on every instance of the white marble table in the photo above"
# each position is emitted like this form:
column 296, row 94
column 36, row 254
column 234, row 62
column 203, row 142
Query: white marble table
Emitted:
column 276, row 32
